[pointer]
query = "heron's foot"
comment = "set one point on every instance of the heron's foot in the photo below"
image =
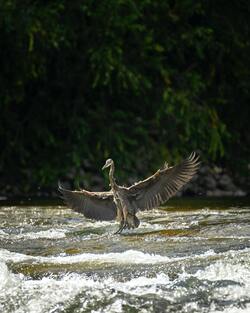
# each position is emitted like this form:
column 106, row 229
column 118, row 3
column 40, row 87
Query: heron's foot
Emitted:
column 127, row 224
column 132, row 221
column 122, row 226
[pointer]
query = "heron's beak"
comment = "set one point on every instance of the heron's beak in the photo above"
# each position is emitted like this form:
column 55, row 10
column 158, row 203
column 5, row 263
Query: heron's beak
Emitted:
column 104, row 166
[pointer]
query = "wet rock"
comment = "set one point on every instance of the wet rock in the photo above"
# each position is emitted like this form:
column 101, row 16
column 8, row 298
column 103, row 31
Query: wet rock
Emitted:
column 210, row 193
column 217, row 170
column 225, row 179
column 16, row 191
column 226, row 183
column 240, row 193
column 192, row 189
column 210, row 182
column 219, row 193
column 217, row 176
column 8, row 188
column 204, row 170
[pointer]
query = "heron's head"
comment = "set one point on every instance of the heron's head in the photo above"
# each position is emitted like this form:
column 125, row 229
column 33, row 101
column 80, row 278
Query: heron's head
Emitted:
column 107, row 164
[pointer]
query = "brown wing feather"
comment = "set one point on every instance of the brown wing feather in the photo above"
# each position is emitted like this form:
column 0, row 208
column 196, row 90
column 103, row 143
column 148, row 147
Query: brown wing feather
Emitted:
column 95, row 205
column 158, row 188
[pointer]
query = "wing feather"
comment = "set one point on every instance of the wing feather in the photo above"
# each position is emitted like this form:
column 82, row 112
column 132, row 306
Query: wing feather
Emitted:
column 158, row 188
column 95, row 205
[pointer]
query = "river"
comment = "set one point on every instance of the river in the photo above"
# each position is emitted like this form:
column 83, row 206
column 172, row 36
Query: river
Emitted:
column 193, row 255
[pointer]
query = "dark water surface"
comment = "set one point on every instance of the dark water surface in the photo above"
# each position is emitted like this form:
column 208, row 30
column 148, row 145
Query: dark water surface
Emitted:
column 190, row 256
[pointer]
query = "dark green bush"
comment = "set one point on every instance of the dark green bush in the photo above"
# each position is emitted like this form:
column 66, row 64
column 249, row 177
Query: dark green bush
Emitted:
column 140, row 81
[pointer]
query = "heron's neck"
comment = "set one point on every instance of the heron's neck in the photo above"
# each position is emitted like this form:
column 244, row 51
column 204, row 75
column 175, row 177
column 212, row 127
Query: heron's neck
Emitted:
column 111, row 176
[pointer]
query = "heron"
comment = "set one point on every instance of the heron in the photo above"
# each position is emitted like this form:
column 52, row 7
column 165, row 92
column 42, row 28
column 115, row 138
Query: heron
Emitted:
column 122, row 203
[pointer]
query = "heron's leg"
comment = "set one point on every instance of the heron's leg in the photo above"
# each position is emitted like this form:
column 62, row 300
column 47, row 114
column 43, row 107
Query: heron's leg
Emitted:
column 125, row 216
column 128, row 218
column 120, row 218
column 127, row 223
column 128, row 226
column 122, row 226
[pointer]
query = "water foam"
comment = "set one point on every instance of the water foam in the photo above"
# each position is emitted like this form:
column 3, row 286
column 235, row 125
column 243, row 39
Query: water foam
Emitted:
column 51, row 295
column 140, row 286
column 96, row 224
column 45, row 295
column 237, row 276
column 36, row 295
column 233, row 310
column 4, row 275
column 126, row 257
column 43, row 234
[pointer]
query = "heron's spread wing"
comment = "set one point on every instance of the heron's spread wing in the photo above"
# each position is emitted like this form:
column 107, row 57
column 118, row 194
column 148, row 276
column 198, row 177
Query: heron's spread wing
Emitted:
column 158, row 188
column 95, row 205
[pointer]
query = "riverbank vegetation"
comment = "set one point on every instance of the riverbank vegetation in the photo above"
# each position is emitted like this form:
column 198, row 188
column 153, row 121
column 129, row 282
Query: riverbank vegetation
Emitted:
column 138, row 81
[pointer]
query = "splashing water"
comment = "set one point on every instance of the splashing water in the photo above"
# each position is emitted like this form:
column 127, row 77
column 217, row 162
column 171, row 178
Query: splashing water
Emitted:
column 189, row 257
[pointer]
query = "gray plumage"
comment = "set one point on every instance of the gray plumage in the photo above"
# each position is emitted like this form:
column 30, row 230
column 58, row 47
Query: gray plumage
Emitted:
column 122, row 203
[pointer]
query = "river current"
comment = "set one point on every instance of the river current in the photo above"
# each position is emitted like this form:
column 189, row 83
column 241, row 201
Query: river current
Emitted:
column 193, row 255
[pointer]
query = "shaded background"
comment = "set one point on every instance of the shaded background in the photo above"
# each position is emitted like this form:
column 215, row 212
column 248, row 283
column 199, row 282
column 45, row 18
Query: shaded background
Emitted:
column 138, row 81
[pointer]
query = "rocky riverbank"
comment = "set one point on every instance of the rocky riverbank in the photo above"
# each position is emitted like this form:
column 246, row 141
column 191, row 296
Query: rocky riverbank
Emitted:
column 211, row 181
column 216, row 182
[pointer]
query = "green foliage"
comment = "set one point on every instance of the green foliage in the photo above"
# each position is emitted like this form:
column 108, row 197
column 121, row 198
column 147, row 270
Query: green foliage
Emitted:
column 140, row 81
